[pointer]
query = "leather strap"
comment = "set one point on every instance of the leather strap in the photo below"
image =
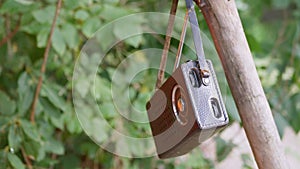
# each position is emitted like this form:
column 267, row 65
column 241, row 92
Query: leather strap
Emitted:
column 180, row 46
column 163, row 62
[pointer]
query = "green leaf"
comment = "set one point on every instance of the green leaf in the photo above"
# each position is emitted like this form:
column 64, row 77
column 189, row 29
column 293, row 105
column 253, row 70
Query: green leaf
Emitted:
column 44, row 15
column 14, row 137
column 15, row 161
column 71, row 36
column 137, row 62
column 7, row 106
column 49, row 109
column 82, row 86
column 99, row 135
column 33, row 27
column 72, row 122
column 81, row 15
column 53, row 97
column 89, row 148
column 223, row 148
column 42, row 37
column 38, row 109
column 46, row 130
column 297, row 49
column 53, row 113
column 71, row 4
column 134, row 41
column 253, row 43
column 70, row 161
column 57, row 122
column 74, row 126
column 58, row 42
column 231, row 108
column 35, row 150
column 102, row 90
column 30, row 130
column 90, row 26
column 106, row 34
column 13, row 7
column 25, row 92
column 108, row 110
column 281, row 123
column 117, row 12
column 129, row 29
column 54, row 146
column 96, row 9
column 25, row 2
column 139, row 111
column 196, row 160
column 247, row 161
column 4, row 121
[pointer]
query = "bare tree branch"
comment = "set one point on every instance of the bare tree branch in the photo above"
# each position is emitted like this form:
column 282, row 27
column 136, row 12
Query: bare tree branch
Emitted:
column 43, row 68
column 13, row 33
column 231, row 44
column 27, row 160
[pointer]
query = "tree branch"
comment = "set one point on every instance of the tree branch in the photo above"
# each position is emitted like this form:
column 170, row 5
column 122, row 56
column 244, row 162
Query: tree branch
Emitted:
column 43, row 68
column 27, row 161
column 11, row 34
column 231, row 44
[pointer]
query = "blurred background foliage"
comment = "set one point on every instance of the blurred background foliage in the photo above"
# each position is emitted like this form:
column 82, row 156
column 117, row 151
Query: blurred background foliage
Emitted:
column 56, row 139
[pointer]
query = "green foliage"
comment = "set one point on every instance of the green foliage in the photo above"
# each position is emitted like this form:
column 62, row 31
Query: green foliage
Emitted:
column 275, row 42
column 223, row 148
column 15, row 161
column 57, row 140
column 7, row 106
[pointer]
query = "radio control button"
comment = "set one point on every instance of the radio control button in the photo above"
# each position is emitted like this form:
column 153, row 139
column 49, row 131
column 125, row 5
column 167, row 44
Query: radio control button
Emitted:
column 214, row 103
column 194, row 78
column 206, row 81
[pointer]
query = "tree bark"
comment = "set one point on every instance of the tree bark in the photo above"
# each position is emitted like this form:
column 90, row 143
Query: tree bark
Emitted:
column 229, row 38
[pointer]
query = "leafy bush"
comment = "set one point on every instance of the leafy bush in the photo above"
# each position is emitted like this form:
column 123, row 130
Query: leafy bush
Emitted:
column 56, row 138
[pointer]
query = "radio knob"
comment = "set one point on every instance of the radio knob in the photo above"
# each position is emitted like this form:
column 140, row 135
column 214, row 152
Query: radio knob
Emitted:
column 194, row 78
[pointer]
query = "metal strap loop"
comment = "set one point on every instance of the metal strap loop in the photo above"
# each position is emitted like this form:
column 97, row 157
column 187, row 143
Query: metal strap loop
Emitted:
column 196, row 33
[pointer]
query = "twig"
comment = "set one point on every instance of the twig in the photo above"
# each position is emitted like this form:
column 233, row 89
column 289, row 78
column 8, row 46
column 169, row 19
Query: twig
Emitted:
column 117, row 162
column 8, row 31
column 27, row 161
column 43, row 68
column 13, row 33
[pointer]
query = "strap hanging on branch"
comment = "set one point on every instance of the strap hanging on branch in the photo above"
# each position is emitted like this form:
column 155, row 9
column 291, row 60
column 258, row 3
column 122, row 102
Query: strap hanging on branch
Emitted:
column 180, row 46
column 190, row 96
column 161, row 72
column 196, row 36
